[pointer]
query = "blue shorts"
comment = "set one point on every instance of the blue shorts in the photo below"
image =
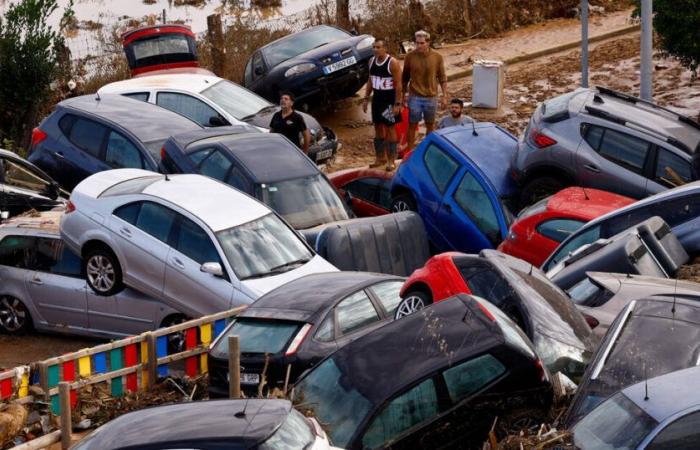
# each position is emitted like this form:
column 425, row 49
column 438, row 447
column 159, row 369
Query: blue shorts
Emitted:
column 421, row 108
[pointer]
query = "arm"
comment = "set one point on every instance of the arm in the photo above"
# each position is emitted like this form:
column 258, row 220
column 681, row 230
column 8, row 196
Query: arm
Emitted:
column 307, row 140
column 406, row 76
column 442, row 79
column 368, row 90
column 396, row 74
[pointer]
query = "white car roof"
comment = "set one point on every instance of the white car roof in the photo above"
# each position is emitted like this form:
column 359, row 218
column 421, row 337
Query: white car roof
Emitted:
column 216, row 204
column 182, row 81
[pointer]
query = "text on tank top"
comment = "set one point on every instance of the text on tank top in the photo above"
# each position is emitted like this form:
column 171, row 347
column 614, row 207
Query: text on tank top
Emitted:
column 380, row 74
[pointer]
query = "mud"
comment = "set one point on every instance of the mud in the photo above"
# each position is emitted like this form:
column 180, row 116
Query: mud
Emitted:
column 18, row 350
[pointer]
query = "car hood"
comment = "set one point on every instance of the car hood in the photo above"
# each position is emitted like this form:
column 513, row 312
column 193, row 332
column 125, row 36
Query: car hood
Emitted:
column 257, row 287
column 263, row 119
column 315, row 54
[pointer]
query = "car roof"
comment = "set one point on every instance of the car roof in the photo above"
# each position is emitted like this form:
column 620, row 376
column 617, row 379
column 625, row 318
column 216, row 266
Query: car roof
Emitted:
column 491, row 151
column 665, row 395
column 189, row 82
column 145, row 121
column 435, row 337
column 192, row 421
column 293, row 35
column 586, row 203
column 614, row 282
column 312, row 295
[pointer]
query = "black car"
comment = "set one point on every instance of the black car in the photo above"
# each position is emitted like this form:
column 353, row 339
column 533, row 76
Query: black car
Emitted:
column 319, row 63
column 650, row 337
column 23, row 186
column 299, row 324
column 434, row 379
column 209, row 425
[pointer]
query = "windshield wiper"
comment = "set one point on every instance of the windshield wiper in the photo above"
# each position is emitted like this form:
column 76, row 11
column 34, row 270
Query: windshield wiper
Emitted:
column 264, row 109
column 296, row 263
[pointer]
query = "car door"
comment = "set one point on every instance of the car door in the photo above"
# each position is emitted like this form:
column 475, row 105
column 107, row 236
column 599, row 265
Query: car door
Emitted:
column 612, row 160
column 142, row 230
column 366, row 199
column 190, row 107
column 470, row 216
column 682, row 433
column 669, row 170
column 81, row 158
column 186, row 285
column 125, row 313
column 355, row 315
column 121, row 153
column 56, row 285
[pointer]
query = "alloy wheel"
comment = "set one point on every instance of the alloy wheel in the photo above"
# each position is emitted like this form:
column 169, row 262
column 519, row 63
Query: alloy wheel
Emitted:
column 100, row 272
column 409, row 305
column 400, row 206
column 13, row 314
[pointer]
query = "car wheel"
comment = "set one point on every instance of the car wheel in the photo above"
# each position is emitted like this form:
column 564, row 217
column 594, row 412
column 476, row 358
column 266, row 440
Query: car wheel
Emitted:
column 539, row 188
column 103, row 272
column 14, row 316
column 520, row 420
column 403, row 202
column 414, row 301
column 176, row 341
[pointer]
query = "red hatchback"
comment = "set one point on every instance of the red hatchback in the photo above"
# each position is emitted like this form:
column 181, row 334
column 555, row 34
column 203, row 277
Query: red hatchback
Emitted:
column 540, row 228
column 369, row 190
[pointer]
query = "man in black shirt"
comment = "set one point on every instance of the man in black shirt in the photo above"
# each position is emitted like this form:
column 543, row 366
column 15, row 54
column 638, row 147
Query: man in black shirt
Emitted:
column 290, row 123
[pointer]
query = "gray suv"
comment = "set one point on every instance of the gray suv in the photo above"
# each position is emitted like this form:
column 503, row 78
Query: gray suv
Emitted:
column 606, row 140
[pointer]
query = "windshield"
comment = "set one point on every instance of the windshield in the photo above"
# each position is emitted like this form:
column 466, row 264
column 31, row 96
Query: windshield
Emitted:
column 263, row 247
column 236, row 100
column 574, row 242
column 303, row 202
column 299, row 43
column 329, row 396
column 294, row 433
column 257, row 336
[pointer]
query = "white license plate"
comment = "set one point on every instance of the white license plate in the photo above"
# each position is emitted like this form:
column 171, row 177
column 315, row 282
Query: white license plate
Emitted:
column 247, row 378
column 339, row 65
column 323, row 154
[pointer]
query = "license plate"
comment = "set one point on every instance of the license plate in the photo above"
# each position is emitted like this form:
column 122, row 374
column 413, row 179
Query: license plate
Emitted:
column 247, row 378
column 324, row 154
column 339, row 65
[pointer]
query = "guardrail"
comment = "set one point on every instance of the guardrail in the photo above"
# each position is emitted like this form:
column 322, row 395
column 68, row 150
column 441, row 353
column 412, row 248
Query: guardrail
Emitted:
column 127, row 365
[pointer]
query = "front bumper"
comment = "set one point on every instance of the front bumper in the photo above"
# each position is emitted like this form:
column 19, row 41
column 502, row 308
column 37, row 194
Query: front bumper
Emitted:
column 335, row 86
column 325, row 148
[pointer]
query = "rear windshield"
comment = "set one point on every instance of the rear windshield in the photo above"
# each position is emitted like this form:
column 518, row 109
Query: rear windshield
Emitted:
column 130, row 187
column 295, row 432
column 557, row 108
column 589, row 293
column 300, row 43
column 536, row 208
column 257, row 336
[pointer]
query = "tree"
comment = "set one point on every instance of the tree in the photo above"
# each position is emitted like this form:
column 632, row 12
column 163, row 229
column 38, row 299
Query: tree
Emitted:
column 32, row 56
column 677, row 25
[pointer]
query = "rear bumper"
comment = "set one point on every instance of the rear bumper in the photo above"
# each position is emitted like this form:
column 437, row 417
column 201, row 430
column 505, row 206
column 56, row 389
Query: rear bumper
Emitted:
column 325, row 148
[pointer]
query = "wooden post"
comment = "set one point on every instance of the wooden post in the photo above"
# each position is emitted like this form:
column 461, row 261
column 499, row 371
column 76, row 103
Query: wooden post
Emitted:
column 342, row 13
column 164, row 15
column 44, row 379
column 66, row 423
column 234, row 367
column 215, row 32
column 152, row 365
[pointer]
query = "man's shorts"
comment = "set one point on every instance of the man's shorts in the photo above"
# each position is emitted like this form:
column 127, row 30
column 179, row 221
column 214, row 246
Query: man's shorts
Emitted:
column 382, row 113
column 421, row 108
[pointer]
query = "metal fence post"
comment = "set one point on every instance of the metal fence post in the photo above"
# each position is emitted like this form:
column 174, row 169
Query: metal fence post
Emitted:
column 234, row 367
column 584, row 43
column 66, row 423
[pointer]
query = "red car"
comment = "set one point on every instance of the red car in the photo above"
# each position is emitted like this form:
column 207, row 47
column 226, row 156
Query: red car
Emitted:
column 369, row 190
column 540, row 228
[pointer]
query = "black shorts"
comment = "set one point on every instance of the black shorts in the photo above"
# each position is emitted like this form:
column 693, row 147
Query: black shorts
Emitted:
column 382, row 114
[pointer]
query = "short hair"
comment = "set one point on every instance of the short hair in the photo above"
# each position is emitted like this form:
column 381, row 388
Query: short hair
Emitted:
column 382, row 40
column 288, row 94
column 457, row 101
column 423, row 34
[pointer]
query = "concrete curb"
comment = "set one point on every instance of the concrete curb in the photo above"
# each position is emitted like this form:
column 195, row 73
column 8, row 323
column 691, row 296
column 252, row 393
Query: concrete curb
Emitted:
column 548, row 51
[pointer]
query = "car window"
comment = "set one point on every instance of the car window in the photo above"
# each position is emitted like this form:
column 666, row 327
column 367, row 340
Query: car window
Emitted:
column 586, row 237
column 471, row 376
column 87, row 135
column 588, row 292
column 325, row 330
column 193, row 242
column 216, row 165
column 257, row 336
column 354, row 312
column 364, row 188
column 440, row 166
column 406, row 411
column 559, row 229
column 488, row 284
column 388, row 294
column 258, row 66
column 156, row 220
column 121, row 153
column 593, row 136
column 198, row 156
column 475, row 202
column 128, row 213
column 295, row 432
column 21, row 176
column 190, row 107
column 625, row 150
column 239, row 180
column 54, row 257
column 141, row 96
column 674, row 211
column 681, row 434
column 671, row 169
column 248, row 73
column 17, row 251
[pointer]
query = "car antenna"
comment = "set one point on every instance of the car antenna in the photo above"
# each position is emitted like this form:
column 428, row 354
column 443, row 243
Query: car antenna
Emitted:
column 675, row 289
column 97, row 96
column 531, row 266
column 241, row 414
column 585, row 194
column 646, row 384
column 474, row 133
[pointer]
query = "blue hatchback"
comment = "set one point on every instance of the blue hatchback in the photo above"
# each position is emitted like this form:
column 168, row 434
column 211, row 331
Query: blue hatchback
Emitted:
column 458, row 181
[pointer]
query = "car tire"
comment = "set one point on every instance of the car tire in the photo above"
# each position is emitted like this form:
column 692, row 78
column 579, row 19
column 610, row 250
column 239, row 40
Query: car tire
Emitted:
column 14, row 316
column 413, row 301
column 520, row 419
column 539, row 188
column 176, row 341
column 403, row 202
column 103, row 271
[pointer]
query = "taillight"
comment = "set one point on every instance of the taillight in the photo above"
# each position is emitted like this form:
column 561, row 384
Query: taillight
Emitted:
column 541, row 370
column 298, row 339
column 162, row 153
column 37, row 136
column 591, row 321
column 70, row 207
column 541, row 140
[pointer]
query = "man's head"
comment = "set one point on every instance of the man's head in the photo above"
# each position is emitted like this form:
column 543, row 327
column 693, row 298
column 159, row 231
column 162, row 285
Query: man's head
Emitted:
column 456, row 106
column 422, row 38
column 287, row 100
column 379, row 48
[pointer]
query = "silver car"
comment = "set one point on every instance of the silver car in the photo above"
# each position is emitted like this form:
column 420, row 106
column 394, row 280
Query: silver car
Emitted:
column 607, row 140
column 183, row 239
column 43, row 288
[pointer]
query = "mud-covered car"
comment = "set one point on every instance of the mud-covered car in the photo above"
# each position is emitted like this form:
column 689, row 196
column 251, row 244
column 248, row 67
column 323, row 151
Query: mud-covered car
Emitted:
column 322, row 62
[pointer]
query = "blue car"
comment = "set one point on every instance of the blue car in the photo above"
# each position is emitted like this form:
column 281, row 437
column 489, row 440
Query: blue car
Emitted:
column 320, row 63
column 88, row 134
column 457, row 180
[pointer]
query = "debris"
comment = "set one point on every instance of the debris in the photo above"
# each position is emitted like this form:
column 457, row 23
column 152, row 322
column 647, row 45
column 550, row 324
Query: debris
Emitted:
column 12, row 420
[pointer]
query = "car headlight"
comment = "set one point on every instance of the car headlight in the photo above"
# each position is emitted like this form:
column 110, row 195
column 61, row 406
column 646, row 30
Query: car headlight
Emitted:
column 365, row 43
column 299, row 69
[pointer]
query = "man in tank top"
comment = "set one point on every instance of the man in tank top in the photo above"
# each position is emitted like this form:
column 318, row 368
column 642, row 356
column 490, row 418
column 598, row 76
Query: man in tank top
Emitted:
column 384, row 85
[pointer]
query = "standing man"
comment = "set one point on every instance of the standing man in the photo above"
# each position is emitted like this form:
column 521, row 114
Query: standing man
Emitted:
column 423, row 70
column 455, row 116
column 384, row 82
column 290, row 123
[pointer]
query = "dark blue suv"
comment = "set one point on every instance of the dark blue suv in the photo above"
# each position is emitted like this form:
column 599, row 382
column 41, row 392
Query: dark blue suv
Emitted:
column 88, row 134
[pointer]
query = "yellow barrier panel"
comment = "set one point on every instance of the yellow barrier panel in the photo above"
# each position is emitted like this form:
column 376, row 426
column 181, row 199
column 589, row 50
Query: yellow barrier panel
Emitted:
column 84, row 366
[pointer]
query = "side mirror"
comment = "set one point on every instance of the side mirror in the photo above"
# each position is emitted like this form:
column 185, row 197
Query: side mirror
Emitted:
column 212, row 268
column 258, row 71
column 354, row 32
column 52, row 191
column 217, row 121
